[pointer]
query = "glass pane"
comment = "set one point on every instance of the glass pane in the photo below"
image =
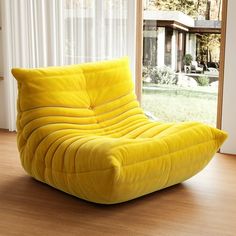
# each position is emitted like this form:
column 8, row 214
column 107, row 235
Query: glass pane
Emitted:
column 181, row 49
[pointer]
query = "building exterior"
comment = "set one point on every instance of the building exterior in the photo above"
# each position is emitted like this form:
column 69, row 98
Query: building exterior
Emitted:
column 169, row 35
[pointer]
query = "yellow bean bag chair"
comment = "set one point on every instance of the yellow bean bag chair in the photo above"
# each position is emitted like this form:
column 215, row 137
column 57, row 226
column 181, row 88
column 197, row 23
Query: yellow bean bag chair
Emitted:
column 81, row 130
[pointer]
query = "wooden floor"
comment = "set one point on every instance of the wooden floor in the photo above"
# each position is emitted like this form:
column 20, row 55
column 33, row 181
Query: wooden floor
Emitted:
column 204, row 205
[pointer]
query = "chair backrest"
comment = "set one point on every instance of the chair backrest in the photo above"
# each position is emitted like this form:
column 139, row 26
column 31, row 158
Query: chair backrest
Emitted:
column 73, row 96
column 81, row 86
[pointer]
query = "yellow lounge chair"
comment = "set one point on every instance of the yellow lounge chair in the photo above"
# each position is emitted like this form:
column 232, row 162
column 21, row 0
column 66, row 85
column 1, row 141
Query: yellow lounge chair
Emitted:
column 81, row 130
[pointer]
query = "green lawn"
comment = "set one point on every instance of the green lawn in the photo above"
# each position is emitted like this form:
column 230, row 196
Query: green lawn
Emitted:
column 178, row 104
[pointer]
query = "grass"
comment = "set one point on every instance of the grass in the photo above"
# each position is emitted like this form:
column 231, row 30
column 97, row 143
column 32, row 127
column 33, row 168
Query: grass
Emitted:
column 177, row 104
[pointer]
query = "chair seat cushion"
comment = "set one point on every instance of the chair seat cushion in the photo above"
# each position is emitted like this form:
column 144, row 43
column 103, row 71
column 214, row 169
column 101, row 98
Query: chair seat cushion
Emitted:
column 81, row 130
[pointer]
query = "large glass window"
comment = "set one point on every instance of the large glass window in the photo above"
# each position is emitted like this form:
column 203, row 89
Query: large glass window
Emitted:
column 168, row 46
column 181, row 60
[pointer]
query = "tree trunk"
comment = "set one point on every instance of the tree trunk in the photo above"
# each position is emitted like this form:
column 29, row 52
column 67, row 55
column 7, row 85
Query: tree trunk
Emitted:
column 210, row 56
column 219, row 10
column 198, row 4
column 208, row 10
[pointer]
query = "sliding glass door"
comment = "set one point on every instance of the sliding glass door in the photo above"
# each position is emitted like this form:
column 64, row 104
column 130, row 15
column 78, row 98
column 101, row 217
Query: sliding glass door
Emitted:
column 181, row 56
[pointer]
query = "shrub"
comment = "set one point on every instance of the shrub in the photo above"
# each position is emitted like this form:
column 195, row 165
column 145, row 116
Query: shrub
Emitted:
column 163, row 75
column 203, row 80
column 187, row 59
column 146, row 71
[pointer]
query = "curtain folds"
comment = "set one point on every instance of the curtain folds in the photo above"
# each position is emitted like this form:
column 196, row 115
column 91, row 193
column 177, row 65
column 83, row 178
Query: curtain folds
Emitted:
column 39, row 33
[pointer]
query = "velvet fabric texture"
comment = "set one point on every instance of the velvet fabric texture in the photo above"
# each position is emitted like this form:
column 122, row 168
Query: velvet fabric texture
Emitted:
column 81, row 130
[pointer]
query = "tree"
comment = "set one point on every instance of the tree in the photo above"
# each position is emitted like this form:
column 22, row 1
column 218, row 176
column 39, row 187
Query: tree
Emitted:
column 186, row 6
column 209, row 44
column 194, row 8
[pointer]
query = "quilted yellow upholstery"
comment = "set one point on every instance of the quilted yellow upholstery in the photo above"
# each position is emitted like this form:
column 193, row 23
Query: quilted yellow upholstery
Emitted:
column 81, row 130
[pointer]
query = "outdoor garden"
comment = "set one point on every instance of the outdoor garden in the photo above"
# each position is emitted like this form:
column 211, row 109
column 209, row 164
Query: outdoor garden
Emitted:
column 175, row 97
column 189, row 93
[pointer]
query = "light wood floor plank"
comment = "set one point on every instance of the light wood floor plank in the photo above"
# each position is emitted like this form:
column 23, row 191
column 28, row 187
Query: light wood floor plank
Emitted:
column 203, row 205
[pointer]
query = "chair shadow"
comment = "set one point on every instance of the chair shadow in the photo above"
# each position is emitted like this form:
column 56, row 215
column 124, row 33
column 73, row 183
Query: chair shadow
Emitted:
column 37, row 199
column 36, row 191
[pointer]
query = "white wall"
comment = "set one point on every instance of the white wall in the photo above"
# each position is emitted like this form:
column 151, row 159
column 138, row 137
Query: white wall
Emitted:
column 229, row 96
column 1, row 56
column 3, row 119
column 191, row 42
column 174, row 50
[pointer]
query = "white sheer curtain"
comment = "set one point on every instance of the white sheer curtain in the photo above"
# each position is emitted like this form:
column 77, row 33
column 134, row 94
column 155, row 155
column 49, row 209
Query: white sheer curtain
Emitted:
column 40, row 33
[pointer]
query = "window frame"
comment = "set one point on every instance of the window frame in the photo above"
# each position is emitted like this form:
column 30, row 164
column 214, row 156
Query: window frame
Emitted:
column 139, row 52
